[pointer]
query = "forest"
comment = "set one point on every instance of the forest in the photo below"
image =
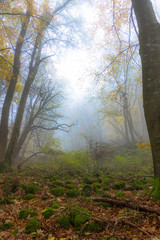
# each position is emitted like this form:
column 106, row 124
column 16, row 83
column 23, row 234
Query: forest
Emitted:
column 80, row 119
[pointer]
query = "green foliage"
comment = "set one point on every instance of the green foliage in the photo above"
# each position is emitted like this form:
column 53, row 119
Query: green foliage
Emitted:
column 5, row 167
column 44, row 197
column 57, row 191
column 72, row 193
column 30, row 188
column 48, row 212
column 95, row 227
column 24, row 213
column 119, row 185
column 28, row 196
column 69, row 182
column 10, row 184
column 54, row 205
column 138, row 184
column 78, row 218
column 64, row 222
column 100, row 192
column 32, row 226
column 107, row 195
column 6, row 226
column 58, row 183
column 86, row 190
column 6, row 201
column 106, row 183
column 70, row 186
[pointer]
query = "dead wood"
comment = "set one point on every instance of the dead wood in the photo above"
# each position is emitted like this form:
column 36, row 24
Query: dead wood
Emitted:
column 128, row 204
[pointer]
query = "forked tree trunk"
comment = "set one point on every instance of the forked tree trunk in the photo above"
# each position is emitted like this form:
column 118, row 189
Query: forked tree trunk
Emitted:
column 149, row 39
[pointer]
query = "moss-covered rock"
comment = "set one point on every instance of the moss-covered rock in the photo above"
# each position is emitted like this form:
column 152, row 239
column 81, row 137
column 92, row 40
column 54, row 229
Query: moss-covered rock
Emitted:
column 30, row 188
column 70, row 186
column 6, row 201
column 106, row 183
column 6, row 226
column 87, row 180
column 119, row 185
column 48, row 212
column 87, row 190
column 24, row 213
column 77, row 218
column 138, row 184
column 32, row 226
column 95, row 227
column 29, row 196
column 57, row 191
column 54, row 205
column 64, row 222
column 72, row 193
column 120, row 195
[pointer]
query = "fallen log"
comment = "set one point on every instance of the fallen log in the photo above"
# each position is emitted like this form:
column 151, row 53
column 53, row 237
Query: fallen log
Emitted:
column 128, row 204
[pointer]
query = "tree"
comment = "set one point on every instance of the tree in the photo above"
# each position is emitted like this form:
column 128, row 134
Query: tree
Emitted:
column 149, row 39
column 35, row 34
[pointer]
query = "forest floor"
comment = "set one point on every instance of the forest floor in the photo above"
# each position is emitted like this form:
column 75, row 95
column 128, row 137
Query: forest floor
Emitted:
column 67, row 198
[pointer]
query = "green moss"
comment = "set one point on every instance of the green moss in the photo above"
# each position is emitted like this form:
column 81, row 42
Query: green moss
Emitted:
column 57, row 191
column 24, row 213
column 70, row 186
column 138, row 184
column 86, row 190
column 45, row 197
column 103, row 204
column 54, row 205
column 32, row 226
column 100, row 192
column 58, row 183
column 48, row 212
column 72, row 193
column 78, row 218
column 156, row 189
column 119, row 185
column 95, row 227
column 69, row 182
column 30, row 188
column 64, row 222
column 6, row 226
column 106, row 195
column 15, row 231
column 96, row 186
column 87, row 180
column 28, row 196
column 120, row 195
column 6, row 201
column 106, row 183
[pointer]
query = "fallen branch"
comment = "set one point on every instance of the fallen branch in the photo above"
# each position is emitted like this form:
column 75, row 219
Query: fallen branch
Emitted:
column 128, row 204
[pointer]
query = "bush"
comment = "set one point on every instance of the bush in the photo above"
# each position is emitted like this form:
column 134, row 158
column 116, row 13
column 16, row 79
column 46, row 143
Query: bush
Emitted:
column 119, row 185
column 28, row 196
column 24, row 213
column 57, row 191
column 48, row 212
column 32, row 226
column 72, row 193
column 64, row 222
column 30, row 188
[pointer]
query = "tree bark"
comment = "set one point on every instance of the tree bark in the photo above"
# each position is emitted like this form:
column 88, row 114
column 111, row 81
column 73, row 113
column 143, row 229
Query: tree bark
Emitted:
column 149, row 39
column 11, row 89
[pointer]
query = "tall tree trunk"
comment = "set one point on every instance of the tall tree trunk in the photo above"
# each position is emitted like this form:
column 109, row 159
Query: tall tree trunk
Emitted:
column 11, row 89
column 149, row 39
